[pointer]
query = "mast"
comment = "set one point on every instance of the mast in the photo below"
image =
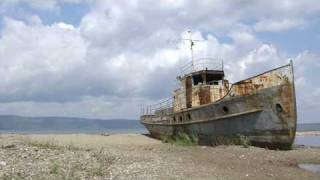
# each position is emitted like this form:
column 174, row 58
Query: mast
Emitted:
column 191, row 49
column 192, row 43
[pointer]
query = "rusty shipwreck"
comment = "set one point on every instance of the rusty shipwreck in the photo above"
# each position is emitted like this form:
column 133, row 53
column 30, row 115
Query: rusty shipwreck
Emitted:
column 261, row 108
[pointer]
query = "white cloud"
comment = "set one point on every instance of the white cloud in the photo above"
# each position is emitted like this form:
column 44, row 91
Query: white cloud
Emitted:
column 260, row 59
column 37, row 59
column 277, row 25
column 33, row 20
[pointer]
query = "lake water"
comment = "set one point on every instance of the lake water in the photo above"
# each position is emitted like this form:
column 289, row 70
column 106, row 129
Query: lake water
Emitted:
column 80, row 131
column 315, row 168
column 308, row 141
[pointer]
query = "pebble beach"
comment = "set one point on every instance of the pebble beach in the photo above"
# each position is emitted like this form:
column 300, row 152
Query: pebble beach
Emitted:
column 136, row 156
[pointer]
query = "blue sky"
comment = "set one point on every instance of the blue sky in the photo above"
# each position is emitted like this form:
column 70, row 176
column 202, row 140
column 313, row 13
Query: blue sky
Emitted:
column 68, row 13
column 94, row 58
column 295, row 40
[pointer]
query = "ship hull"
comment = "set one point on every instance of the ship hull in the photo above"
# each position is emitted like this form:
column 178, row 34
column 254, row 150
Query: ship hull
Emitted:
column 266, row 116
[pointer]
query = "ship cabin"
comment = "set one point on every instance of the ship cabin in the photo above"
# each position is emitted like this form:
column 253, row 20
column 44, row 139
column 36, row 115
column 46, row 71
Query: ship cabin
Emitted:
column 200, row 87
column 201, row 83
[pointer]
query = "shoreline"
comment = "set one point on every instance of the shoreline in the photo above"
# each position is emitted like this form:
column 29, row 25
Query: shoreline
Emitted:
column 308, row 133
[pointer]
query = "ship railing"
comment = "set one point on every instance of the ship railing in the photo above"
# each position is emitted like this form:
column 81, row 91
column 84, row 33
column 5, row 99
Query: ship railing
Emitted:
column 202, row 64
column 168, row 106
column 165, row 106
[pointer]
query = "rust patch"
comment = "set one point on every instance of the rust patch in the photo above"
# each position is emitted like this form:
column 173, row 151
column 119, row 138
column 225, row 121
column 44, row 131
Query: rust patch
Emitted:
column 266, row 80
column 204, row 95
column 189, row 92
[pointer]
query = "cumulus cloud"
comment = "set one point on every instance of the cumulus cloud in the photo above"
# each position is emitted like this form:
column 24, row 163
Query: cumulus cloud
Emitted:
column 55, row 63
column 36, row 61
column 277, row 25
column 125, row 53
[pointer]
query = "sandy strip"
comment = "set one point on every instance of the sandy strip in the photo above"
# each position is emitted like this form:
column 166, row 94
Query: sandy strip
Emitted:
column 308, row 133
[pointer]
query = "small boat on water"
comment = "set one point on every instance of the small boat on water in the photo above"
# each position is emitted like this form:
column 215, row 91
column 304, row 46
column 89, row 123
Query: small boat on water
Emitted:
column 261, row 108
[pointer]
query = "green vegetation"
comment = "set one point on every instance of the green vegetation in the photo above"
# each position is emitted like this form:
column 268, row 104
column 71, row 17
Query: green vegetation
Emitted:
column 103, row 162
column 230, row 140
column 43, row 145
column 97, row 170
column 51, row 144
column 221, row 140
column 188, row 140
column 11, row 176
column 181, row 139
column 55, row 168
column 244, row 141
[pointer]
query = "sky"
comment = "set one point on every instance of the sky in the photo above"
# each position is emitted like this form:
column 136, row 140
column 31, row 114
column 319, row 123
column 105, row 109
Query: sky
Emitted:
column 105, row 58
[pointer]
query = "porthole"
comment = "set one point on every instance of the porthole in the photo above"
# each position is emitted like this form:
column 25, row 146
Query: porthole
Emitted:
column 279, row 108
column 225, row 109
column 189, row 117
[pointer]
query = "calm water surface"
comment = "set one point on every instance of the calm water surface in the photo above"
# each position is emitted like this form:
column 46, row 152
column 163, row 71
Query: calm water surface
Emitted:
column 315, row 168
column 308, row 140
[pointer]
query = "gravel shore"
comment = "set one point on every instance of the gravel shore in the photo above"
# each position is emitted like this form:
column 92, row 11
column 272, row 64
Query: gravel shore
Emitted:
column 135, row 156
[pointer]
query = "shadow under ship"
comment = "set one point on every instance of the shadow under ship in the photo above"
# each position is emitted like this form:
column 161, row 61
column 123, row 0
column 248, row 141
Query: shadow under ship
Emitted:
column 261, row 108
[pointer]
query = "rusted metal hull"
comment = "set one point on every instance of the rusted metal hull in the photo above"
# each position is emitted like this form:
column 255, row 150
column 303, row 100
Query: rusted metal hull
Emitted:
column 261, row 108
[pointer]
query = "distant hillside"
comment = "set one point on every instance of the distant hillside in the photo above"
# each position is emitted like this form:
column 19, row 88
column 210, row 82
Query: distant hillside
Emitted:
column 62, row 124
column 308, row 127
column 10, row 123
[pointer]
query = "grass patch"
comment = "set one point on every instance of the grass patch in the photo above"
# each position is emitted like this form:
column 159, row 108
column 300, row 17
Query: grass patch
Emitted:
column 11, row 176
column 50, row 144
column 190, row 140
column 181, row 139
column 54, row 168
column 44, row 145
column 244, row 141
column 72, row 147
column 102, row 165
column 97, row 170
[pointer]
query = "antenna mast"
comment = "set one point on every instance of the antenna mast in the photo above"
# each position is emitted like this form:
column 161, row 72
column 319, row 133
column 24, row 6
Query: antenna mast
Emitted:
column 191, row 49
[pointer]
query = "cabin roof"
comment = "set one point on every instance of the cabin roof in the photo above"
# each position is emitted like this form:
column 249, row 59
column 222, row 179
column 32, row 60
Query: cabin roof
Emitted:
column 218, row 74
column 209, row 72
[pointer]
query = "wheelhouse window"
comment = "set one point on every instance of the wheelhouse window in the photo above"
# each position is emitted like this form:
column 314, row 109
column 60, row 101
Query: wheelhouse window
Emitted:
column 197, row 79
column 207, row 77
